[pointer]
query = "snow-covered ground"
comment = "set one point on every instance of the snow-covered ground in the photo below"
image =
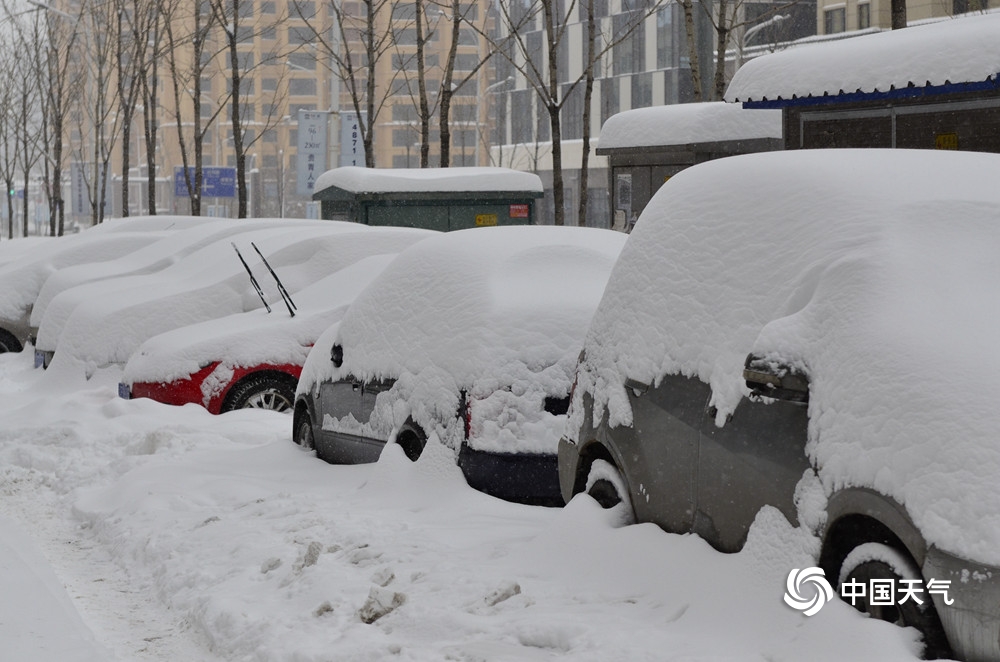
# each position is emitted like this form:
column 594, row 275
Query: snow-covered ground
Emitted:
column 178, row 535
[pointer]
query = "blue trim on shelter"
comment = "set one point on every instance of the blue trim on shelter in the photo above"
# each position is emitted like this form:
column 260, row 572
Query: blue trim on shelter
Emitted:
column 987, row 85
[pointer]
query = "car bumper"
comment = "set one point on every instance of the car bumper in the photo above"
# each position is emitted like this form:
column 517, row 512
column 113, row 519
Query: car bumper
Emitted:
column 568, row 460
column 972, row 621
column 519, row 477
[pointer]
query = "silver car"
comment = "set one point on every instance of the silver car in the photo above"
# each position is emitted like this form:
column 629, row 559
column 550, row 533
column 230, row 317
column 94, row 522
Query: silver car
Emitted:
column 812, row 332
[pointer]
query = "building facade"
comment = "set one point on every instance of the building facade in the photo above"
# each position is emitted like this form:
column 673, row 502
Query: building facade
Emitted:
column 836, row 16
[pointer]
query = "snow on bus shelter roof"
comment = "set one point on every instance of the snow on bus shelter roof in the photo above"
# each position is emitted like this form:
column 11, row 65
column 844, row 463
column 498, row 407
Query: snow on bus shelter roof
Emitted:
column 357, row 180
column 956, row 55
column 687, row 124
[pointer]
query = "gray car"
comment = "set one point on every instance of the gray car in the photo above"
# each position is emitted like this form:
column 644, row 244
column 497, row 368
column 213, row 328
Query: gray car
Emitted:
column 767, row 340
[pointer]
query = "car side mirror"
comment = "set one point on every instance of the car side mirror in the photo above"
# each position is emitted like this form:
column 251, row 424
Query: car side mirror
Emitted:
column 337, row 356
column 770, row 379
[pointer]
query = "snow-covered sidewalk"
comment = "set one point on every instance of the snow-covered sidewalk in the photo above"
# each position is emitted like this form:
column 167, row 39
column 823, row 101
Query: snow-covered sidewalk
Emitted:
column 38, row 621
column 183, row 535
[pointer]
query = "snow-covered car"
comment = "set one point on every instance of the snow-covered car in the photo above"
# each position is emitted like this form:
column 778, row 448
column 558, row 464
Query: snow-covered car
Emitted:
column 813, row 333
column 254, row 359
column 21, row 279
column 470, row 339
column 149, row 259
column 104, row 322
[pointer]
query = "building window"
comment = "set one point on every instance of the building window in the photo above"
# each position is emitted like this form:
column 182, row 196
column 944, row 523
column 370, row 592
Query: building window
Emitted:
column 466, row 61
column 463, row 139
column 269, row 33
column 402, row 87
column 269, row 136
column 572, row 112
column 405, row 37
column 404, row 12
column 300, row 36
column 404, row 112
column 864, row 16
column 609, row 98
column 665, row 37
column 301, row 61
column 405, row 137
column 642, row 90
column 302, row 9
column 629, row 53
column 245, row 60
column 469, row 88
column 464, row 113
column 269, row 84
column 246, row 86
column 834, row 20
column 470, row 11
column 267, row 7
column 468, row 37
column 520, row 121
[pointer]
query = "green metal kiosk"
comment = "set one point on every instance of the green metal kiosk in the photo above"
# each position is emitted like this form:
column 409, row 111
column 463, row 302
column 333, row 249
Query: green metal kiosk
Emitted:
column 433, row 198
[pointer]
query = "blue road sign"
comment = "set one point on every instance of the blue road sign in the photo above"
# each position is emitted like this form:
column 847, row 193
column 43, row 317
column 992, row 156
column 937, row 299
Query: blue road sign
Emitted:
column 216, row 182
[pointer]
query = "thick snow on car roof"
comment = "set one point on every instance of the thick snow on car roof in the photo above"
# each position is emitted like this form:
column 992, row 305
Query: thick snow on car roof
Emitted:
column 22, row 279
column 107, row 325
column 417, row 180
column 874, row 271
column 256, row 337
column 154, row 257
column 688, row 123
column 156, row 223
column 961, row 50
column 474, row 300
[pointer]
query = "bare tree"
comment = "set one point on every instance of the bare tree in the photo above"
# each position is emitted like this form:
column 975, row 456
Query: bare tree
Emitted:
column 9, row 132
column 60, row 84
column 93, row 114
column 232, row 16
column 544, row 77
column 458, row 14
column 196, row 44
column 371, row 33
column 30, row 115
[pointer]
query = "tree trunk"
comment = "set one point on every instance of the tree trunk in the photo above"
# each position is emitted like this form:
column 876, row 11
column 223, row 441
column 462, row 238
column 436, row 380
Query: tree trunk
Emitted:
column 722, row 31
column 588, row 94
column 898, row 10
column 692, row 44
column 422, row 105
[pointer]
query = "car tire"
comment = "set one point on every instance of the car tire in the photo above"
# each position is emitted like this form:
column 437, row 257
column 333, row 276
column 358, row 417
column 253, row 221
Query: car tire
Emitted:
column 607, row 487
column 412, row 439
column 262, row 391
column 303, row 435
column 877, row 561
column 9, row 343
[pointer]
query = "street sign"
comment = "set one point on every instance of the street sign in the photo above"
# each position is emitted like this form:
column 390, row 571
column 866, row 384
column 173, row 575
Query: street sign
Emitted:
column 352, row 148
column 216, row 182
column 311, row 150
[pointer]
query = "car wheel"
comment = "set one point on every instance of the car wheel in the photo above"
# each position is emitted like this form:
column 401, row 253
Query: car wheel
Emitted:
column 304, row 433
column 412, row 439
column 607, row 487
column 9, row 343
column 882, row 563
column 262, row 391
